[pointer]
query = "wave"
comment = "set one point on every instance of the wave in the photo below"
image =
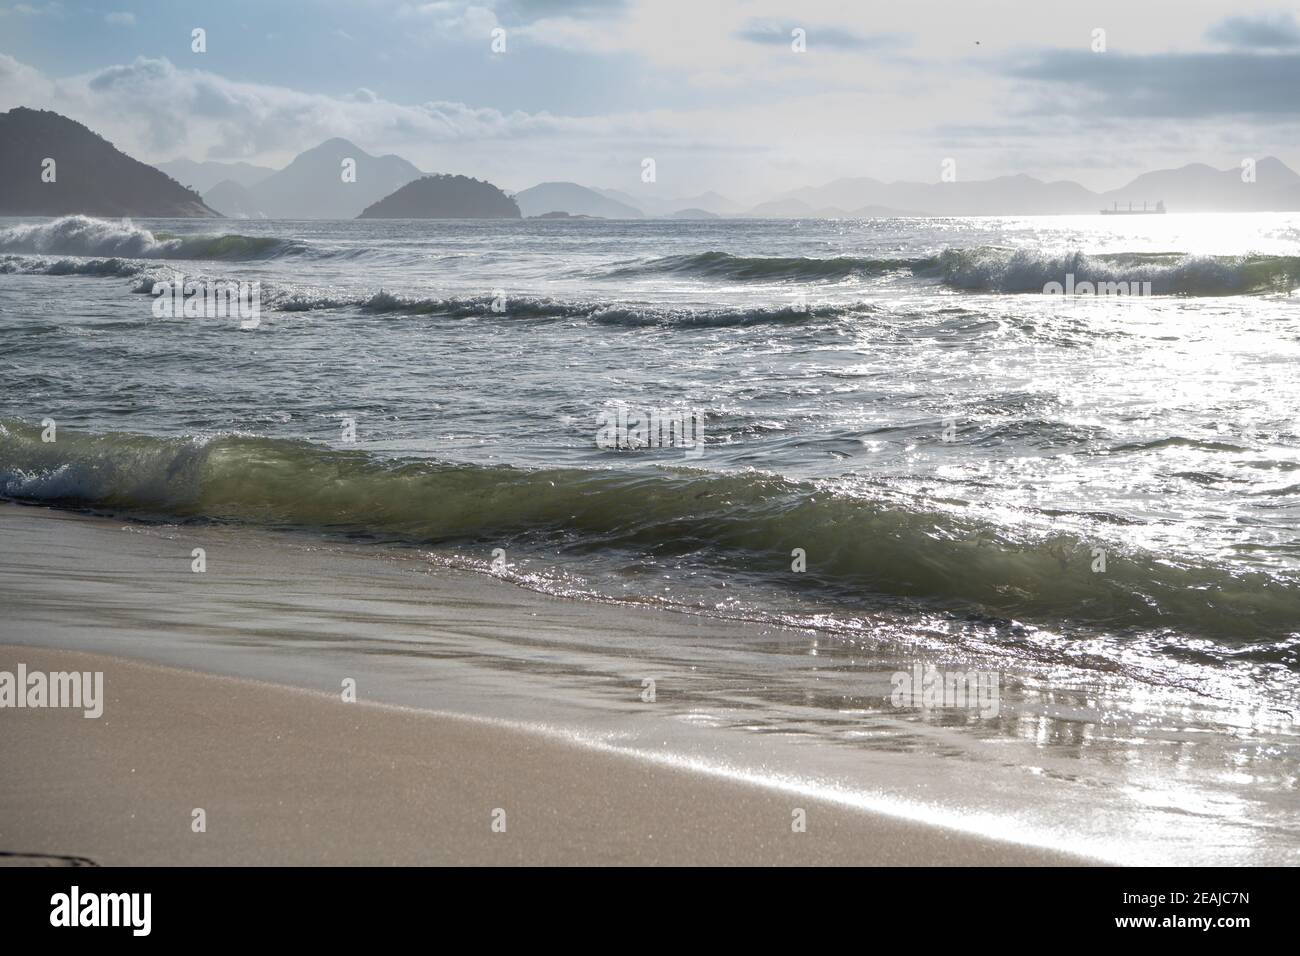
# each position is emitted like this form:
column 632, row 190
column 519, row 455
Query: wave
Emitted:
column 104, row 268
column 724, row 265
column 540, row 307
column 989, row 269
column 746, row 523
column 87, row 236
column 1006, row 270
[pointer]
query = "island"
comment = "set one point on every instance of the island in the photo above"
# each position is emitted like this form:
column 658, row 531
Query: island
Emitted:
column 444, row 197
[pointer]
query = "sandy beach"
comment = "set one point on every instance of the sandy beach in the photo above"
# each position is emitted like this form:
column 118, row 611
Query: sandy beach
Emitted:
column 293, row 777
column 223, row 690
column 586, row 433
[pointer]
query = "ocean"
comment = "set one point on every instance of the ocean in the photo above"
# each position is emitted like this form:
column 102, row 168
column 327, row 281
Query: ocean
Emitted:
column 881, row 439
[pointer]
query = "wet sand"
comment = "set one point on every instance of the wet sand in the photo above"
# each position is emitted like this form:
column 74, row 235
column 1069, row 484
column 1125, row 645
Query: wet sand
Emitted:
column 286, row 776
column 476, row 694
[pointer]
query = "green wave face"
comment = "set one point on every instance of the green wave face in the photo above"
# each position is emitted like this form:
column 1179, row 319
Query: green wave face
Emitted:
column 744, row 522
column 991, row 269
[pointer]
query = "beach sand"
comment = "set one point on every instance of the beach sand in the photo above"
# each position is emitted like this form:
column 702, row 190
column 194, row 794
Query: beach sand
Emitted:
column 287, row 776
column 222, row 692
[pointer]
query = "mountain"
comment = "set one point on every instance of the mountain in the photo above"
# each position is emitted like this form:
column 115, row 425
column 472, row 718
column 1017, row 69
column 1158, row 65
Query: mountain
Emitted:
column 233, row 201
column 313, row 187
column 1193, row 188
column 1201, row 188
column 203, row 176
column 794, row 209
column 444, row 197
column 692, row 214
column 881, row 212
column 710, row 202
column 646, row 204
column 91, row 176
column 573, row 199
column 842, row 193
column 1005, row 196
column 655, row 206
column 788, row 208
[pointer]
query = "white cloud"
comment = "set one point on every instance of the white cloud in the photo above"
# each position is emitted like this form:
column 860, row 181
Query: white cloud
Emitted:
column 34, row 10
column 732, row 113
column 156, row 110
column 120, row 18
column 451, row 19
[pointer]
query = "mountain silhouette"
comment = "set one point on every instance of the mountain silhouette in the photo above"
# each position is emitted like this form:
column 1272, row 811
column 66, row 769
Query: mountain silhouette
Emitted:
column 667, row 207
column 313, row 186
column 444, row 197
column 203, row 176
column 1192, row 188
column 88, row 175
column 573, row 199
column 233, row 201
column 693, row 213
column 1201, row 188
column 1004, row 196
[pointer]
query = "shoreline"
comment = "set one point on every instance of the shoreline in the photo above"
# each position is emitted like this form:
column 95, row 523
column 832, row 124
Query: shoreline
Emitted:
column 287, row 776
column 1109, row 773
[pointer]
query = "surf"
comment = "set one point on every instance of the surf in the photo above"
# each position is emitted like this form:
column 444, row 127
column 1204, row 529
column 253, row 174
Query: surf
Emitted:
column 121, row 239
column 878, row 551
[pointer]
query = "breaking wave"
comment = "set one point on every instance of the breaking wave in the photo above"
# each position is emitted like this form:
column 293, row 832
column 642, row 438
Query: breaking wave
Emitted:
column 104, row 268
column 88, row 236
column 724, row 265
column 987, row 269
column 599, row 312
column 1004, row 270
column 876, row 551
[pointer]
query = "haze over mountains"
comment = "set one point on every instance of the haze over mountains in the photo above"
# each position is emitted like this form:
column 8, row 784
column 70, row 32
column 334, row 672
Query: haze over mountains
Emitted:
column 1193, row 188
column 95, row 178
column 575, row 200
column 313, row 187
column 203, row 176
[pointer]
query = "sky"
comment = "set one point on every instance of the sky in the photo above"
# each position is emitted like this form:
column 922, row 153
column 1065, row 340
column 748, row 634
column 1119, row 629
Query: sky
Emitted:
column 714, row 91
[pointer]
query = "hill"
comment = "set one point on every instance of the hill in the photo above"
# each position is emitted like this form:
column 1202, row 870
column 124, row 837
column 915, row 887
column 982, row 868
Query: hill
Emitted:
column 444, row 197
column 204, row 176
column 694, row 213
column 233, row 201
column 90, row 175
column 1201, row 188
column 313, row 185
column 573, row 199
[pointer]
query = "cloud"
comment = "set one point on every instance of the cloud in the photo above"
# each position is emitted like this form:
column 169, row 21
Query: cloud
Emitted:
column 450, row 19
column 1175, row 85
column 120, row 19
column 713, row 91
column 34, row 10
column 526, row 10
column 153, row 107
column 779, row 34
column 1277, row 32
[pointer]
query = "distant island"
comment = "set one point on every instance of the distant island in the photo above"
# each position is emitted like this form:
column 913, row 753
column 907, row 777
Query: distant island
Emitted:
column 564, row 215
column 444, row 197
column 575, row 200
column 53, row 166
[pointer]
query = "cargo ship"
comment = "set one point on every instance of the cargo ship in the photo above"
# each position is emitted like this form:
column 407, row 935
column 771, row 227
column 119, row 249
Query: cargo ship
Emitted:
column 1157, row 210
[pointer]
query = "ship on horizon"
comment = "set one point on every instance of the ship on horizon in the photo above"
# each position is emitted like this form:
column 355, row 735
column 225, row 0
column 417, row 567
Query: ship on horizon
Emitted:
column 1158, row 210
